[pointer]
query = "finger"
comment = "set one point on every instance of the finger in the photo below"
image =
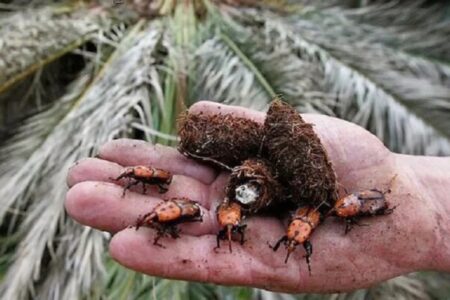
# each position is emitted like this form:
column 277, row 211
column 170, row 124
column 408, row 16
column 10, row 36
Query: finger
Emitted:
column 101, row 205
column 194, row 259
column 127, row 152
column 208, row 107
column 94, row 169
column 336, row 261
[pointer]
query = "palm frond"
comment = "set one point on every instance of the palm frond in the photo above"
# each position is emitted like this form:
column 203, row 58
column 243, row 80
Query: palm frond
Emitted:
column 417, row 83
column 404, row 287
column 32, row 39
column 76, row 268
column 223, row 77
column 336, row 30
column 33, row 131
column 361, row 99
column 99, row 115
column 413, row 27
column 242, row 67
column 17, row 150
column 296, row 80
column 437, row 285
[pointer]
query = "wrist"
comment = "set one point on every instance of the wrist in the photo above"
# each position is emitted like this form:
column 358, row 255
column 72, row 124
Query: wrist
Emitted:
column 431, row 178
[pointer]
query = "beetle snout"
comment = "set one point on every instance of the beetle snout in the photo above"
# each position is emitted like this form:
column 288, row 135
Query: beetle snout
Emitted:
column 290, row 247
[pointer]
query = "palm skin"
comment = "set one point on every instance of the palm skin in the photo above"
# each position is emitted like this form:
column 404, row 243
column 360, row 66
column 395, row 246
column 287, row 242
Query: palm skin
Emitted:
column 390, row 245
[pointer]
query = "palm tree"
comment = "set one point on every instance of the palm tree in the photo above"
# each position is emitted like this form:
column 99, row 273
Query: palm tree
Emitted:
column 74, row 75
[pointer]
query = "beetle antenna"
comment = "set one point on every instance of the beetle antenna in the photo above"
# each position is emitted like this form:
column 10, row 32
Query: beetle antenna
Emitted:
column 209, row 159
column 277, row 245
column 318, row 206
column 330, row 212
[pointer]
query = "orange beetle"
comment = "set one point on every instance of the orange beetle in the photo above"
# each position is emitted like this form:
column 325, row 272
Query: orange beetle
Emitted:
column 167, row 214
column 366, row 203
column 301, row 226
column 229, row 216
column 146, row 175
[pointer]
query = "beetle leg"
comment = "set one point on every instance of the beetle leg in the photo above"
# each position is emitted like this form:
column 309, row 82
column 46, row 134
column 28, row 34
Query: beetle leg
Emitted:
column 350, row 222
column 387, row 211
column 241, row 229
column 227, row 232
column 174, row 231
column 348, row 225
column 159, row 234
column 277, row 245
column 357, row 223
column 155, row 242
column 197, row 219
column 220, row 236
column 144, row 188
column 142, row 220
column 308, row 248
column 162, row 189
column 128, row 186
column 124, row 174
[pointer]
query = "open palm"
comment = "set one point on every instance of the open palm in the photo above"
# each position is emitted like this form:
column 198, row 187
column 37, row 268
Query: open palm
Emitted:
column 389, row 246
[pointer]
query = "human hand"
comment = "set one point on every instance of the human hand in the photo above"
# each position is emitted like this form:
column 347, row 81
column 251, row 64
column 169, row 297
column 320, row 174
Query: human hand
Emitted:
column 404, row 241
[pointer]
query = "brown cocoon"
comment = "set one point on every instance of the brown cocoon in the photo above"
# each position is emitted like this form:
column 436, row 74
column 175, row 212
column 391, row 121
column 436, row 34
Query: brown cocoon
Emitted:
column 221, row 139
column 254, row 178
column 299, row 157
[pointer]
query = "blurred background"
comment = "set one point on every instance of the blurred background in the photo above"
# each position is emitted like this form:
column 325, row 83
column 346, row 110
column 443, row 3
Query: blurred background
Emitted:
column 75, row 74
